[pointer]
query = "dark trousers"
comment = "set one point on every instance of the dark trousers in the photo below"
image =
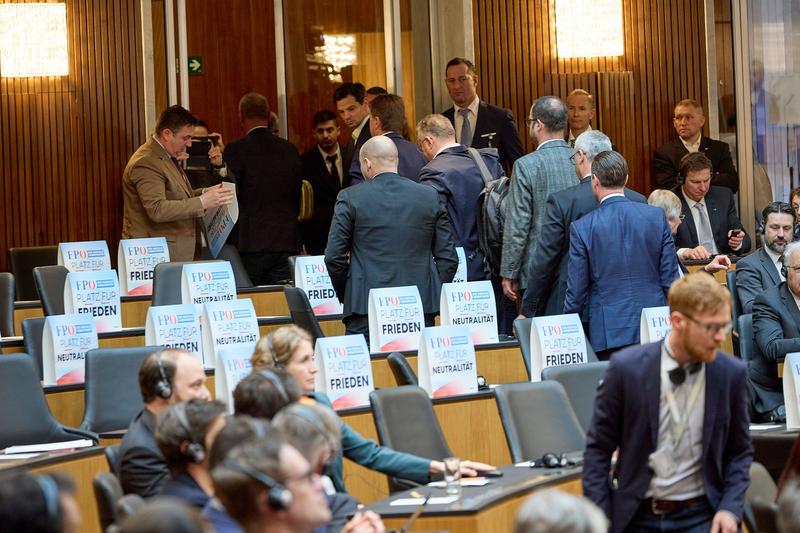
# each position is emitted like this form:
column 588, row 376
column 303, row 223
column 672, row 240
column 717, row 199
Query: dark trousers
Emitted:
column 605, row 355
column 693, row 519
column 267, row 268
column 506, row 309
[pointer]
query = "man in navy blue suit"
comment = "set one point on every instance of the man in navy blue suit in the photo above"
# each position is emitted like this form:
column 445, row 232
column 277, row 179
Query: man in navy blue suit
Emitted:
column 388, row 118
column 352, row 105
column 621, row 259
column 678, row 412
column 455, row 175
column 477, row 123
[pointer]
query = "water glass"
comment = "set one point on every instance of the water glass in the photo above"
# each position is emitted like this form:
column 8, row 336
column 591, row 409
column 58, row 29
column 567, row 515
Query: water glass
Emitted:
column 452, row 475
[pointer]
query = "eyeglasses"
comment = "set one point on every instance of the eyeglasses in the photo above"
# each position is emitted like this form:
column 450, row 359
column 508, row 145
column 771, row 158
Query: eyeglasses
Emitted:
column 572, row 157
column 711, row 328
column 794, row 268
column 529, row 121
column 310, row 476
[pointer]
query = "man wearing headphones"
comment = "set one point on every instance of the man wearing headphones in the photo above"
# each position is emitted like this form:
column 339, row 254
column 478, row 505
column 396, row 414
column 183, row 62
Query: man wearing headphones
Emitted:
column 165, row 378
column 761, row 270
column 267, row 485
column 776, row 326
column 185, row 433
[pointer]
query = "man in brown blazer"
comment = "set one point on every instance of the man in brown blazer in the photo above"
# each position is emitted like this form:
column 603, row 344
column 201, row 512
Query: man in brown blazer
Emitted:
column 159, row 200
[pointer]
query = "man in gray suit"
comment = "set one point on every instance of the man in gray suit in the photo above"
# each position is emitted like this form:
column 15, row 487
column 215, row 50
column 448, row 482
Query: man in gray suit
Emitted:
column 388, row 232
column 536, row 176
column 761, row 270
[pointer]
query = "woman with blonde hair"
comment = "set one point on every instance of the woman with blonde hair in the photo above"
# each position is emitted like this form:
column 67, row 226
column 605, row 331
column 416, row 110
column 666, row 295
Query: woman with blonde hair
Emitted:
column 291, row 348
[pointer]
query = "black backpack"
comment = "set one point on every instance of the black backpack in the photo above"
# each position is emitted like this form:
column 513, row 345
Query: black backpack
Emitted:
column 491, row 214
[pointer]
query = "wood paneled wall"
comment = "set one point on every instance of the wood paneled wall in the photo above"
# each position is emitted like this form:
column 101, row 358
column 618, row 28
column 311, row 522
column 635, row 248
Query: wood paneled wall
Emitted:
column 64, row 141
column 664, row 62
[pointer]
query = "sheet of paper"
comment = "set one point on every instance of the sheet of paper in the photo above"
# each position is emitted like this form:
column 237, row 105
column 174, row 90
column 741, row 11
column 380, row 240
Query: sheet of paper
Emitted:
column 764, row 427
column 465, row 482
column 438, row 500
column 50, row 447
column 18, row 456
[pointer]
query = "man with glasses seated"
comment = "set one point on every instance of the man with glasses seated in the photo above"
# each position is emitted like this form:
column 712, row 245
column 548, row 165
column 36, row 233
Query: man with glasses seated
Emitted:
column 776, row 325
column 676, row 412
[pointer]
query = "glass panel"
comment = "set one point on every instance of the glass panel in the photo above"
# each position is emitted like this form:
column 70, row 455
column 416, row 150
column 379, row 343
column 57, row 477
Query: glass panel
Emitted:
column 775, row 92
column 329, row 42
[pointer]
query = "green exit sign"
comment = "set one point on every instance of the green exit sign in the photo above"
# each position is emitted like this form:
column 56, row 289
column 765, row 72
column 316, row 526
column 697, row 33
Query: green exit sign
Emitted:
column 196, row 64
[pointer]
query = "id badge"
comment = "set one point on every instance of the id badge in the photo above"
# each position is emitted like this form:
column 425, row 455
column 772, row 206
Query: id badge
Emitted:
column 663, row 463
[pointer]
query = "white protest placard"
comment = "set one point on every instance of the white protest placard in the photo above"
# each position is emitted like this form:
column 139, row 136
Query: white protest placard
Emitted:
column 655, row 324
column 97, row 295
column 470, row 304
column 218, row 222
column 556, row 340
column 461, row 272
column 65, row 341
column 136, row 259
column 174, row 326
column 396, row 319
column 233, row 365
column 345, row 370
column 210, row 281
column 311, row 275
column 446, row 361
column 791, row 389
column 84, row 256
column 227, row 325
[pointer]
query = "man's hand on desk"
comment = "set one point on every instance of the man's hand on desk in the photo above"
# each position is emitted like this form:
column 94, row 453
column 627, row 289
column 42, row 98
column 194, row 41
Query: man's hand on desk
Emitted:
column 468, row 468
column 695, row 254
column 216, row 196
column 720, row 262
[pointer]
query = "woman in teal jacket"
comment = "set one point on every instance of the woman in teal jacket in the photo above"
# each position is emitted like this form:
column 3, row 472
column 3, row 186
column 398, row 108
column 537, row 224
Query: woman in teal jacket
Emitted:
column 291, row 348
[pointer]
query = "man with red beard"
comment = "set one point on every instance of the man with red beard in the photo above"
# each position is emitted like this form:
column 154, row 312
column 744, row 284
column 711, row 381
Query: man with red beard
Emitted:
column 678, row 412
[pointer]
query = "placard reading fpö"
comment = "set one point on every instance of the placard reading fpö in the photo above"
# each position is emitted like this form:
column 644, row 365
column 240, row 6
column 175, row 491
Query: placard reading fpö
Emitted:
column 84, row 256
column 311, row 275
column 396, row 319
column 97, row 295
column 556, row 340
column 446, row 361
column 345, row 370
column 226, row 325
column 471, row 304
column 136, row 259
column 174, row 326
column 65, row 341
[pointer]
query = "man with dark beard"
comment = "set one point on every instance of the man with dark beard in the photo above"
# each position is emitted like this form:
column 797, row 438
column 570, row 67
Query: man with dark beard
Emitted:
column 762, row 270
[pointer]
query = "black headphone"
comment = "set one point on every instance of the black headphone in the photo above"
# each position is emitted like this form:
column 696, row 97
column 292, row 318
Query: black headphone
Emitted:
column 163, row 385
column 278, row 496
column 777, row 207
column 273, row 378
column 50, row 494
column 272, row 351
column 551, row 460
column 195, row 451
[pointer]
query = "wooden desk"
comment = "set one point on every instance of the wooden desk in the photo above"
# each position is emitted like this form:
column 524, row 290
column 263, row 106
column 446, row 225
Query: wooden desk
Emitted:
column 268, row 300
column 81, row 466
column 499, row 363
column 490, row 508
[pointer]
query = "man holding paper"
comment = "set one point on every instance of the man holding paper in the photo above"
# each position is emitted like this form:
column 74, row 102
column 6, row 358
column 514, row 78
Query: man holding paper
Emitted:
column 676, row 413
column 389, row 232
column 158, row 199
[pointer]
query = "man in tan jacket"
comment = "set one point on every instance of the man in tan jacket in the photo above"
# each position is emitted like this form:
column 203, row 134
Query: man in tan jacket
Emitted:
column 159, row 200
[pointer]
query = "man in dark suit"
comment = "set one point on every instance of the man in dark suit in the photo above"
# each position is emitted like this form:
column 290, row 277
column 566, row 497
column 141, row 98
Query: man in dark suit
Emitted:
column 388, row 118
column 388, row 232
column 710, row 224
column 486, row 126
column 547, row 275
column 165, row 378
column 689, row 122
column 776, row 326
column 761, row 270
column 185, row 434
column 677, row 410
column 352, row 106
column 621, row 259
column 455, row 175
column 268, row 174
column 323, row 167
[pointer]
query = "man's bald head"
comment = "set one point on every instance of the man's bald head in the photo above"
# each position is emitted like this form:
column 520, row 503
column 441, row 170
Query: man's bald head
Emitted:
column 379, row 154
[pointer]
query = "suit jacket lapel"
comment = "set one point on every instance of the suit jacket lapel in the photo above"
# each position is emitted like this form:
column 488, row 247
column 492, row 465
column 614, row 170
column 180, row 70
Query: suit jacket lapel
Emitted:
column 652, row 387
column 715, row 215
column 688, row 220
column 769, row 266
column 790, row 304
column 481, row 126
column 170, row 169
column 711, row 398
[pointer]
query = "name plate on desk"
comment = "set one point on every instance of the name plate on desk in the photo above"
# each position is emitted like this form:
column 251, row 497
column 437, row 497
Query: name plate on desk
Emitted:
column 227, row 325
column 345, row 370
column 655, row 324
column 446, row 362
column 396, row 319
column 556, row 340
column 791, row 389
column 461, row 272
column 65, row 341
column 174, row 326
column 471, row 304
column 136, row 259
column 95, row 294
column 233, row 365
column 210, row 282
column 84, row 256
column 311, row 275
